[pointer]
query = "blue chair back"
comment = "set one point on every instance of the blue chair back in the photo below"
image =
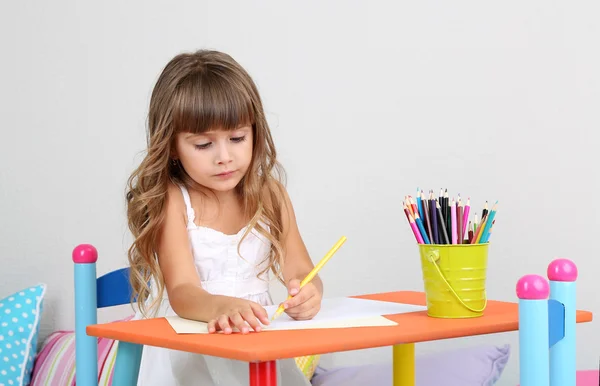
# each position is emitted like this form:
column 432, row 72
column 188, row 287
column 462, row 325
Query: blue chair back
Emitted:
column 113, row 289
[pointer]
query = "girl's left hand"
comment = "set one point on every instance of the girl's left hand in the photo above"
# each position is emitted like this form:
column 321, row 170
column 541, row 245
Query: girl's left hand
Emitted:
column 305, row 302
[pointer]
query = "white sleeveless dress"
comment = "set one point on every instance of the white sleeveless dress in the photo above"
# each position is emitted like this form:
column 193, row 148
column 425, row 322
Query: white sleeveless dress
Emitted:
column 222, row 272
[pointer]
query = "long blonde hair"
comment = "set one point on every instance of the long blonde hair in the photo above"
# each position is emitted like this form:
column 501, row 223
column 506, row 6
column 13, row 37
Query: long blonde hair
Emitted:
column 196, row 92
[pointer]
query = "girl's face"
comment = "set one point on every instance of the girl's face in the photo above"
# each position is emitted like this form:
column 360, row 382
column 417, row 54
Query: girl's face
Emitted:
column 217, row 159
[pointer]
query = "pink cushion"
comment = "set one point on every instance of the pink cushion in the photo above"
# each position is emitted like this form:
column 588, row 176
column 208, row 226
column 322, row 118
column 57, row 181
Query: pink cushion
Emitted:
column 587, row 378
column 55, row 362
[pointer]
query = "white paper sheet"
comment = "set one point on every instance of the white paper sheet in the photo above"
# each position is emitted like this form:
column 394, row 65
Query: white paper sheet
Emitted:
column 334, row 313
column 185, row 326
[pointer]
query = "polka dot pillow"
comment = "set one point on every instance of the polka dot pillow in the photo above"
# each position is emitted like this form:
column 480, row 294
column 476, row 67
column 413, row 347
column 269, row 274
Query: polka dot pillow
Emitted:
column 19, row 326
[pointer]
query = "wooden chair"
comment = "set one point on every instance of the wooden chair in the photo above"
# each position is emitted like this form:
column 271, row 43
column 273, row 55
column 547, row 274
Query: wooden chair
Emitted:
column 92, row 293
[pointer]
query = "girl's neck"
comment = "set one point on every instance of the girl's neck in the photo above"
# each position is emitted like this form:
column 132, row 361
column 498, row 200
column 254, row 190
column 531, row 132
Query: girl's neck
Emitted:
column 223, row 198
column 222, row 211
column 217, row 199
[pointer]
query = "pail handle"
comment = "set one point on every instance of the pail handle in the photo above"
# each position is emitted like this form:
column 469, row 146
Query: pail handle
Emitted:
column 434, row 259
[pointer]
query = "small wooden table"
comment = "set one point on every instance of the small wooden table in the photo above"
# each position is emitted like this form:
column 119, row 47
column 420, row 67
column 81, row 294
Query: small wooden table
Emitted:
column 262, row 349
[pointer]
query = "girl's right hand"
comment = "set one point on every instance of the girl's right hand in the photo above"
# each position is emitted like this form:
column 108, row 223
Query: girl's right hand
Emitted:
column 241, row 313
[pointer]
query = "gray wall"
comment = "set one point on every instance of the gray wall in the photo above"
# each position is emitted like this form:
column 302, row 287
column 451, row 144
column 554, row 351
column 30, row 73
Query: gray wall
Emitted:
column 367, row 102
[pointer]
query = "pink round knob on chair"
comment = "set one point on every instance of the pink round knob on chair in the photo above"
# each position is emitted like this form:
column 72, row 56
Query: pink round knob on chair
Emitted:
column 562, row 270
column 85, row 254
column 533, row 287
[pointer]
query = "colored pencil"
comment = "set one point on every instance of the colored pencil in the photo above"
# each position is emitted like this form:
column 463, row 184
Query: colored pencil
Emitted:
column 314, row 272
column 413, row 205
column 480, row 230
column 488, row 225
column 409, row 216
column 470, row 235
column 446, row 220
column 421, row 229
column 477, row 231
column 491, row 229
column 453, row 221
column 448, row 214
column 415, row 230
column 439, row 210
column 426, row 212
column 406, row 212
column 408, row 205
column 445, row 208
column 442, row 205
column 485, row 211
column 434, row 220
column 419, row 204
column 441, row 224
column 459, row 221
column 466, row 215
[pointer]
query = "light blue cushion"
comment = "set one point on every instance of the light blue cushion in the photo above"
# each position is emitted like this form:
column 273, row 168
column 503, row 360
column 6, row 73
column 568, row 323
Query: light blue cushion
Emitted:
column 20, row 315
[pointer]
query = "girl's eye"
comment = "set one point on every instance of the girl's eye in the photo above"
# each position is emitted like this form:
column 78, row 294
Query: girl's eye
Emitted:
column 238, row 139
column 202, row 146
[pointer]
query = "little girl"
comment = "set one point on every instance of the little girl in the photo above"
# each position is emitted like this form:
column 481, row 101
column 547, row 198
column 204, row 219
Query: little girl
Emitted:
column 210, row 219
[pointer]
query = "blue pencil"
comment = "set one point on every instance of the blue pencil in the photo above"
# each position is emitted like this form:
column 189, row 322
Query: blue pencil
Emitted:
column 420, row 204
column 485, row 233
column 422, row 228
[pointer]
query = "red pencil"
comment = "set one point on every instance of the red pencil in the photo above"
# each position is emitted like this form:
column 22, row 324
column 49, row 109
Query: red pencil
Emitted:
column 470, row 237
column 406, row 212
column 415, row 209
column 408, row 205
column 459, row 221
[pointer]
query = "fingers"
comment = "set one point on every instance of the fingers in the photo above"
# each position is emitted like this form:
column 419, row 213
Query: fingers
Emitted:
column 306, row 314
column 239, row 322
column 249, row 316
column 305, row 305
column 223, row 322
column 212, row 326
column 260, row 313
column 306, row 310
column 305, row 294
column 293, row 287
column 297, row 300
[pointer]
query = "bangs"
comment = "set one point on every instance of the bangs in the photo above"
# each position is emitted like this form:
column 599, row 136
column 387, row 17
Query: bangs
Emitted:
column 207, row 101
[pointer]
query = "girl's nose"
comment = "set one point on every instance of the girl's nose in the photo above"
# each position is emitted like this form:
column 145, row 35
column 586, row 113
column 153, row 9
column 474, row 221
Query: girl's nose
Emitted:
column 223, row 154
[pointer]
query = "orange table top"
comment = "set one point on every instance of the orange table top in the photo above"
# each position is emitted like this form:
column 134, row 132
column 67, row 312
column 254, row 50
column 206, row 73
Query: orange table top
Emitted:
column 270, row 345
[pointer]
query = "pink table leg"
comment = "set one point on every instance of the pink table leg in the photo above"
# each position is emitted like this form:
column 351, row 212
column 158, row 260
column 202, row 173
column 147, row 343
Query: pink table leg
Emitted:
column 263, row 373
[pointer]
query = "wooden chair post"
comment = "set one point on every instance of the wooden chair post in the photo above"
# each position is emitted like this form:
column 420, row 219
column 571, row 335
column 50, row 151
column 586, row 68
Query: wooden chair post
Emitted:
column 86, row 347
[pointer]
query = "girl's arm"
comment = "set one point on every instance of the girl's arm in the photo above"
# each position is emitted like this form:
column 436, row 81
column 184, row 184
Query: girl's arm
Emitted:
column 182, row 282
column 297, row 265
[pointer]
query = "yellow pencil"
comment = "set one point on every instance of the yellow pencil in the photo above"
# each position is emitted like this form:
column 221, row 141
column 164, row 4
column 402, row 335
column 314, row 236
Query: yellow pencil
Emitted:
column 482, row 226
column 314, row 272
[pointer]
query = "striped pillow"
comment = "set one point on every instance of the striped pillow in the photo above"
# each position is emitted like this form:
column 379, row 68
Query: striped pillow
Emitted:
column 55, row 362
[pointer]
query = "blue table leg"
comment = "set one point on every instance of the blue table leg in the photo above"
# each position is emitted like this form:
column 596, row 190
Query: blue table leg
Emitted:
column 127, row 366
